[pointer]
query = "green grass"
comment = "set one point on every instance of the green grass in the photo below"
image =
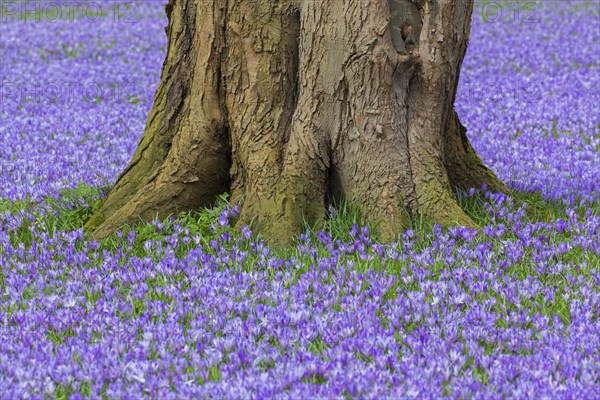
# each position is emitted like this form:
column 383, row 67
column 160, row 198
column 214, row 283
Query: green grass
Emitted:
column 74, row 207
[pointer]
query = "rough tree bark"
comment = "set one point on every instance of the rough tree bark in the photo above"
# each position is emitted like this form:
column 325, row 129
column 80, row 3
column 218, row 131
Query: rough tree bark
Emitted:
column 291, row 104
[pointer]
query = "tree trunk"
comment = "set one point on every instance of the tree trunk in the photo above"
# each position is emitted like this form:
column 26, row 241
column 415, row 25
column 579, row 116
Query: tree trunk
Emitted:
column 290, row 104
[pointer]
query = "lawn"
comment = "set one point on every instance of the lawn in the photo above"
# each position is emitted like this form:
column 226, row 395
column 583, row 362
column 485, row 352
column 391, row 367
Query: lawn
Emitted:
column 190, row 307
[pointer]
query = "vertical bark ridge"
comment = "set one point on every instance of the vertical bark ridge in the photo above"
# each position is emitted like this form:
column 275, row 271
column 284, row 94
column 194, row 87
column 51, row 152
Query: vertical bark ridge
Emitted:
column 280, row 152
column 446, row 28
column 371, row 161
column 167, row 112
column 261, row 96
column 291, row 26
column 195, row 169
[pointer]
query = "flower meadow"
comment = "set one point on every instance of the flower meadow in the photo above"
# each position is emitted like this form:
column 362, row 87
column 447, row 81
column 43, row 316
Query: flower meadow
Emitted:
column 191, row 308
